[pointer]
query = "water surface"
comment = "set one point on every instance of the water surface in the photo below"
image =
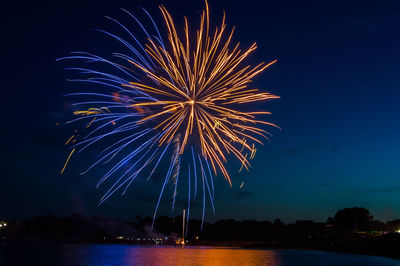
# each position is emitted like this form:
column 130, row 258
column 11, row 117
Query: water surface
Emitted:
column 39, row 254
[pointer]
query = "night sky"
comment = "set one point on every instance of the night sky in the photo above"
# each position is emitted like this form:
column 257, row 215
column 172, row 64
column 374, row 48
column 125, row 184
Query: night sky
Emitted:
column 338, row 75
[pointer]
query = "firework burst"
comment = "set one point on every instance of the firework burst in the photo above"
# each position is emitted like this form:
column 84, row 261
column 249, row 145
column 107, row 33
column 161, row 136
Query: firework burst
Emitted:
column 181, row 100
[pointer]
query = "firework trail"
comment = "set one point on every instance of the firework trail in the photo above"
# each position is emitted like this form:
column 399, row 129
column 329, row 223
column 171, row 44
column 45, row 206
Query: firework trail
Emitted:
column 180, row 101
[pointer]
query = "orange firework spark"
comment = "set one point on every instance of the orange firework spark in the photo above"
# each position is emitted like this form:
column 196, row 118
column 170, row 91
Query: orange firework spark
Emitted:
column 208, row 85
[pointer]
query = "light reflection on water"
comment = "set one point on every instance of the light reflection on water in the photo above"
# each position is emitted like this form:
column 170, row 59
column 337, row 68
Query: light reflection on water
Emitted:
column 39, row 254
column 203, row 256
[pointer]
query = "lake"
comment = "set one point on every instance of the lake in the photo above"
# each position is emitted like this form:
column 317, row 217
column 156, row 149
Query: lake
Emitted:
column 80, row 254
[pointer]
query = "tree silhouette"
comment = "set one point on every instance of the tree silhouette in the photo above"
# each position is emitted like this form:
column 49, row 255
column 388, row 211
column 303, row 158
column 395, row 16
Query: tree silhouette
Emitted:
column 354, row 219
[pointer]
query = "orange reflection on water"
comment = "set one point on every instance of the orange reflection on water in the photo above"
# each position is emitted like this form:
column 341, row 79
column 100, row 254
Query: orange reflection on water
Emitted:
column 200, row 256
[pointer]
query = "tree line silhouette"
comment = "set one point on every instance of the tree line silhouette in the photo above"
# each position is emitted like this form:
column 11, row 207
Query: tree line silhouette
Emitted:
column 349, row 230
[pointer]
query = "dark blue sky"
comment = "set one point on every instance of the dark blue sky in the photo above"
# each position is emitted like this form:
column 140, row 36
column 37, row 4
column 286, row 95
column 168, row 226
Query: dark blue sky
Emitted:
column 338, row 74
